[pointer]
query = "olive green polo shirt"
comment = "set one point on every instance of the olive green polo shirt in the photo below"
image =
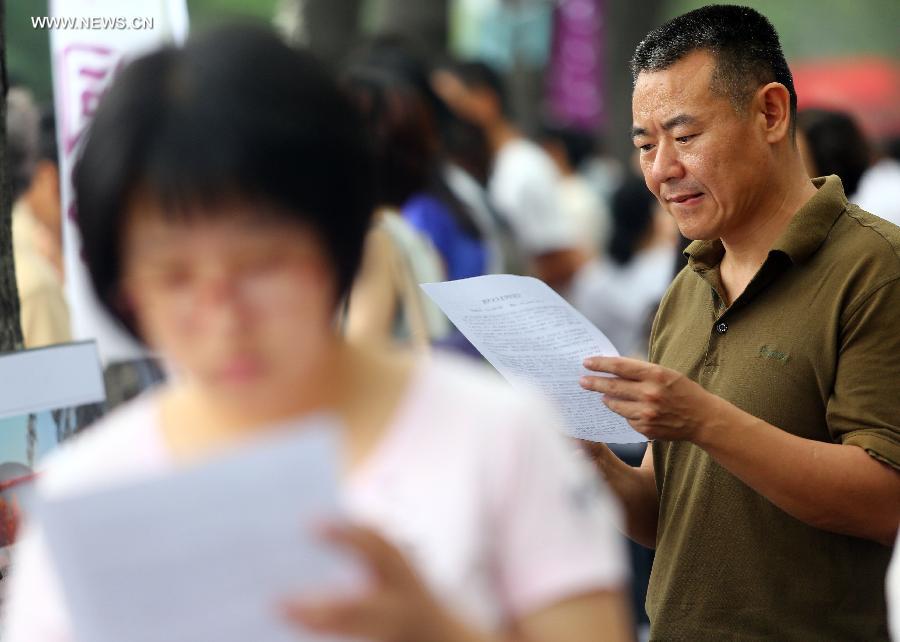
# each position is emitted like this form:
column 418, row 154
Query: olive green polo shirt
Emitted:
column 812, row 347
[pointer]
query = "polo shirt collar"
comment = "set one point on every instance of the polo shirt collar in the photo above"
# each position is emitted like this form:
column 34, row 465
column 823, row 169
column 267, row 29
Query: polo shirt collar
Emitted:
column 803, row 236
column 811, row 224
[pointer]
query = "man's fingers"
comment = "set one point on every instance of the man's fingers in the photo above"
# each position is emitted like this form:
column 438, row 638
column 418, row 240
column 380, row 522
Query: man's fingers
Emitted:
column 612, row 387
column 633, row 411
column 622, row 367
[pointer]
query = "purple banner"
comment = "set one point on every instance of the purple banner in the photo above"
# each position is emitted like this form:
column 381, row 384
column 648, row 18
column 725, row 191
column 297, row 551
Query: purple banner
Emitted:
column 575, row 77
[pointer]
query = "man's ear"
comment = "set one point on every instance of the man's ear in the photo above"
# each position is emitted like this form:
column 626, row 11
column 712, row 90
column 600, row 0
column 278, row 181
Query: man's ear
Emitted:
column 773, row 102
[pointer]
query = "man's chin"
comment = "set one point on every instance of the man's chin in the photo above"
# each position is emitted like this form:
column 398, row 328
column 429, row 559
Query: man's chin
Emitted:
column 697, row 233
column 700, row 237
column 693, row 226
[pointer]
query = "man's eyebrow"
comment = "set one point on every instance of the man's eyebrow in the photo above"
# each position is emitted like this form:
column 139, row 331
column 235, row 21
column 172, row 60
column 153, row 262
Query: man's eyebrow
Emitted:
column 675, row 121
column 680, row 119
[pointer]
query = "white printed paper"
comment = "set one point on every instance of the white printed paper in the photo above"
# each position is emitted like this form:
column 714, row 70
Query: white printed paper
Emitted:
column 531, row 335
column 206, row 553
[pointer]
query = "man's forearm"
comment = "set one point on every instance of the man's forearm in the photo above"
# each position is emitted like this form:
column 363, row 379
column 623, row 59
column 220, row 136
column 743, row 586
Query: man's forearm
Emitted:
column 834, row 487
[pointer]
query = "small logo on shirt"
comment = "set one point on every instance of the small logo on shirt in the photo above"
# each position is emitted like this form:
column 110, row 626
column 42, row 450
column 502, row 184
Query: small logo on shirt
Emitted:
column 765, row 352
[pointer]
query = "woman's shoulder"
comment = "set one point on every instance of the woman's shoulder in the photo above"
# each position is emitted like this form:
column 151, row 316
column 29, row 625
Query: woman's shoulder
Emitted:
column 458, row 376
column 120, row 445
column 475, row 398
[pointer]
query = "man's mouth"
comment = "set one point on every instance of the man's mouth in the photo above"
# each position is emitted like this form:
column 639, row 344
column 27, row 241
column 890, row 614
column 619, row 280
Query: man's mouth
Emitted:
column 686, row 198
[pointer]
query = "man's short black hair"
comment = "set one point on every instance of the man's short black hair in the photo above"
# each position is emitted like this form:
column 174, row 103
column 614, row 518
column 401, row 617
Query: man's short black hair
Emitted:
column 234, row 115
column 744, row 43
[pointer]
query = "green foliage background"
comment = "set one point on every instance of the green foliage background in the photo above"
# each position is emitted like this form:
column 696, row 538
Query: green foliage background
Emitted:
column 823, row 28
column 808, row 28
column 28, row 50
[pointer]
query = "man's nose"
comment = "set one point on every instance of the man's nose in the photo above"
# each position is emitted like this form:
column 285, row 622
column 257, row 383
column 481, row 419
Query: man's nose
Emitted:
column 666, row 163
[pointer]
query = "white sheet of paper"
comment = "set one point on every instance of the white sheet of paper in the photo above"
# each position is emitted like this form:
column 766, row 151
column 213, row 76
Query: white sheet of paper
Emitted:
column 204, row 553
column 48, row 378
column 531, row 334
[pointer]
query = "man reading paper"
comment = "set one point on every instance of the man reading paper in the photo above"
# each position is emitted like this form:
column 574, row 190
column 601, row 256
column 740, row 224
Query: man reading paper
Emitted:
column 771, row 490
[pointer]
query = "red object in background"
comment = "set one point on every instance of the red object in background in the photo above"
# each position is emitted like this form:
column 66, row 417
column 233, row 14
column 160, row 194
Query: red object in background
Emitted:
column 868, row 88
column 10, row 511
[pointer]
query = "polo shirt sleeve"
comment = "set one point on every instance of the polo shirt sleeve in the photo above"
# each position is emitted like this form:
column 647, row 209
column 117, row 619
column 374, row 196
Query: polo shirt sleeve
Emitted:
column 864, row 407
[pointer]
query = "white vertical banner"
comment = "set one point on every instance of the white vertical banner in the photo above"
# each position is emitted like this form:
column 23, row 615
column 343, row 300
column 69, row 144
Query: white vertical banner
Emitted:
column 90, row 40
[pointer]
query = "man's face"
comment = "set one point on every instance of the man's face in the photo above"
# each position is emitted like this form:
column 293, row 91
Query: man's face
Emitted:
column 703, row 160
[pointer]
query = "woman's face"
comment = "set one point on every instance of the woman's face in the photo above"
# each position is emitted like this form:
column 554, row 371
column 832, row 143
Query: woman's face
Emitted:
column 240, row 300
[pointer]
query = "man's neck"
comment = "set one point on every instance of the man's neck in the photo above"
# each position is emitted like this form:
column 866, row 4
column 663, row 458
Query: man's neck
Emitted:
column 747, row 247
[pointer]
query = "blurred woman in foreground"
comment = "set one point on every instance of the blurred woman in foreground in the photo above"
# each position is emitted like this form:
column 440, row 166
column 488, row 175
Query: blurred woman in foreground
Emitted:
column 225, row 191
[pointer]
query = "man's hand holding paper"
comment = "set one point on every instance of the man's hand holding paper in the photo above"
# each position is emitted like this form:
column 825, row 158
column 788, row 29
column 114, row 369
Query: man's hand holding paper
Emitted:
column 657, row 402
column 533, row 337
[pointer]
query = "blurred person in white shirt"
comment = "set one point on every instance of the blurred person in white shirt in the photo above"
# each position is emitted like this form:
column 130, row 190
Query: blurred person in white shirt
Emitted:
column 581, row 202
column 619, row 291
column 524, row 183
column 831, row 142
column 893, row 593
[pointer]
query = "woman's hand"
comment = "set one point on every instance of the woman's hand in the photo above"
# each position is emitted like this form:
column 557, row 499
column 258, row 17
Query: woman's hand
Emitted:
column 397, row 608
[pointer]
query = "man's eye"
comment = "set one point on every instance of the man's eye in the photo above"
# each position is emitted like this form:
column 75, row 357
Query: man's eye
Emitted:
column 647, row 147
column 684, row 139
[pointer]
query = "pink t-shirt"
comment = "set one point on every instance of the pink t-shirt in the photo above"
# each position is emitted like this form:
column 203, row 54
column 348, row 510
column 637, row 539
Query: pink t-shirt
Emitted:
column 472, row 481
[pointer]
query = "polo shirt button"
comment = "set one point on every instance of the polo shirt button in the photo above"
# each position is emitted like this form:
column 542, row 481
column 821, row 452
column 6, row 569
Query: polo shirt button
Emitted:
column 722, row 328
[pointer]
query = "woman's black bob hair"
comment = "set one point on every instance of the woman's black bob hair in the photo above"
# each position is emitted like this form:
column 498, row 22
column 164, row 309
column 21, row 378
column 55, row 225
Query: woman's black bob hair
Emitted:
column 235, row 115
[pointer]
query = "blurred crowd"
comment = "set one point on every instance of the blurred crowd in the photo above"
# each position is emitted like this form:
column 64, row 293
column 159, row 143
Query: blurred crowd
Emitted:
column 462, row 192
